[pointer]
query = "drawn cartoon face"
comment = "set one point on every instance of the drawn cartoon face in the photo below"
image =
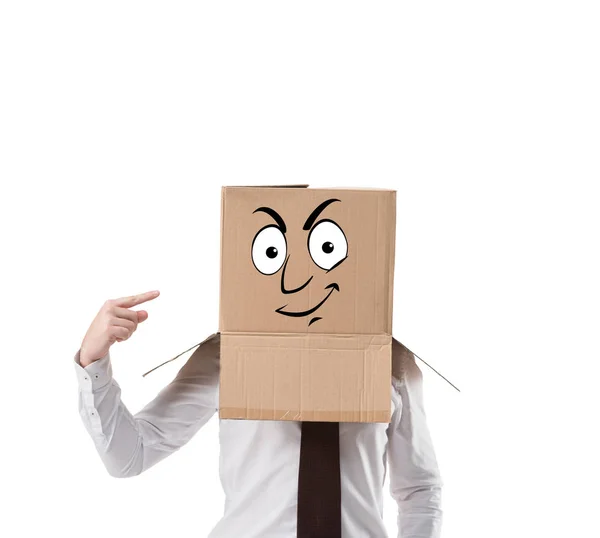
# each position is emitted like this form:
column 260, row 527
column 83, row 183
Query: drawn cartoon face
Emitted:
column 326, row 244
column 299, row 258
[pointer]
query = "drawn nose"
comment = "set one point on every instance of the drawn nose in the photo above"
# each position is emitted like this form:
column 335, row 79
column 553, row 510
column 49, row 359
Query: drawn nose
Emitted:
column 290, row 290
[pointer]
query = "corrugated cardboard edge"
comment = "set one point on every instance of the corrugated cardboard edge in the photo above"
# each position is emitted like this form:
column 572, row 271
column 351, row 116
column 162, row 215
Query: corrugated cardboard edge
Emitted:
column 243, row 413
column 294, row 186
column 223, row 189
column 392, row 264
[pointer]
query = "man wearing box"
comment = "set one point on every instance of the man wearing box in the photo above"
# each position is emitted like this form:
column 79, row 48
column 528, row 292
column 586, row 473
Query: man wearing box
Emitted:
column 316, row 400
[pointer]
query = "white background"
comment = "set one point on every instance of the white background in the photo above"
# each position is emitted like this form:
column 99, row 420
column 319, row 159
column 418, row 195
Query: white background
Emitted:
column 119, row 122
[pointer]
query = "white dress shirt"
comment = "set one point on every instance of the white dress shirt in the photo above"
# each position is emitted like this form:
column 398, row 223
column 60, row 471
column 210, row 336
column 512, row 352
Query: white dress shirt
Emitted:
column 258, row 464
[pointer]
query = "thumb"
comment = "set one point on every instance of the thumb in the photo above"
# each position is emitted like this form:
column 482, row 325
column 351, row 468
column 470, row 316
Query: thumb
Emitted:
column 142, row 315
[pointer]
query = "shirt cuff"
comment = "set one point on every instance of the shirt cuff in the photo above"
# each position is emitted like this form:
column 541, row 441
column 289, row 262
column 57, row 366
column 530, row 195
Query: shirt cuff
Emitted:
column 94, row 376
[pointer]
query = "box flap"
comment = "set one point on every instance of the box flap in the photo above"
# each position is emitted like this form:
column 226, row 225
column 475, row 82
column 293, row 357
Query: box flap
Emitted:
column 343, row 378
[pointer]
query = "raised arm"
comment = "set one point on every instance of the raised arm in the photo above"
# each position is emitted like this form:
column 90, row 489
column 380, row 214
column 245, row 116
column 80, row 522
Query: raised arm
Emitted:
column 415, row 481
column 130, row 444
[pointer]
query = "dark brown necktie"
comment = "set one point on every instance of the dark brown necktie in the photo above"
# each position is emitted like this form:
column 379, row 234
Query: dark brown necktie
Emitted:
column 319, row 488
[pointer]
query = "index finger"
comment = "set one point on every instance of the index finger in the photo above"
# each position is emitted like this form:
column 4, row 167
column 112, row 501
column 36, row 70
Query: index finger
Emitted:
column 133, row 300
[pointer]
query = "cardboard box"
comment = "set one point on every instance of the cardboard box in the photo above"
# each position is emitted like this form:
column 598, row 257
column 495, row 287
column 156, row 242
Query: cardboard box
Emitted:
column 306, row 297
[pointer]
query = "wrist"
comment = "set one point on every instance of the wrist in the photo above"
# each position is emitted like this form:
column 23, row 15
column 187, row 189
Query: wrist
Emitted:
column 85, row 360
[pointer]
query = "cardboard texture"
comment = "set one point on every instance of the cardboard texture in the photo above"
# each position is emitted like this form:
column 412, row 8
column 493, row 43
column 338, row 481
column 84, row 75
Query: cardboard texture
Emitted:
column 306, row 296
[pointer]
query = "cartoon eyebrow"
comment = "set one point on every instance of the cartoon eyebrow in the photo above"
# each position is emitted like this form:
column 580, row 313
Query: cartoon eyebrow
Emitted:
column 276, row 217
column 313, row 216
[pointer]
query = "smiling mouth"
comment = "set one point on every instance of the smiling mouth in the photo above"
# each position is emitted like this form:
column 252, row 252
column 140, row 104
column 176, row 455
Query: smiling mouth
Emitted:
column 332, row 287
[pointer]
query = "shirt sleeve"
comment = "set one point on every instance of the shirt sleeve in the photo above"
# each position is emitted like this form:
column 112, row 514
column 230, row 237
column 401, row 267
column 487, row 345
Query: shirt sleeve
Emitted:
column 415, row 481
column 130, row 444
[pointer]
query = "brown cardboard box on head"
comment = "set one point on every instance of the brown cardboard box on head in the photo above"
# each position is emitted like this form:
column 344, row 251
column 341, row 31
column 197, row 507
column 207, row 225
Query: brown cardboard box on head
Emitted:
column 306, row 303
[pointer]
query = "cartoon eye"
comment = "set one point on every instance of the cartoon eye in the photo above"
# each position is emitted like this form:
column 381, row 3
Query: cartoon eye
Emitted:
column 327, row 244
column 269, row 249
